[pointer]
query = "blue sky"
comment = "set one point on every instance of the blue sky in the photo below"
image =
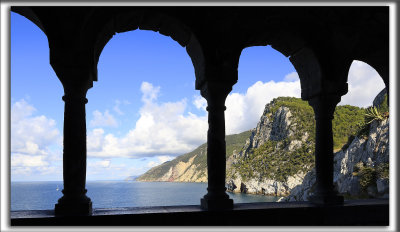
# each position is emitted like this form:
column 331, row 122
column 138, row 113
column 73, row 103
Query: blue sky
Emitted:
column 144, row 109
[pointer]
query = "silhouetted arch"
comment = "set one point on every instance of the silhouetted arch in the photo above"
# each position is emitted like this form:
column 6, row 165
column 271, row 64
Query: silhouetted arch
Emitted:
column 380, row 65
column 292, row 44
column 365, row 83
column 104, row 28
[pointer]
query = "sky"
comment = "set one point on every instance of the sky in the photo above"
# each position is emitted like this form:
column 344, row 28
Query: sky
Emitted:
column 144, row 109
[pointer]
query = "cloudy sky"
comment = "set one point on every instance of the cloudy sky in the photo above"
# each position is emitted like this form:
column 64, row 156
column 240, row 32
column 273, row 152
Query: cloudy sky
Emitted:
column 144, row 109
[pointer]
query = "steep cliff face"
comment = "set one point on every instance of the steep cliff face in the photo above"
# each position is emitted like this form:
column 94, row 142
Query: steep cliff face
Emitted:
column 280, row 151
column 259, row 168
column 191, row 167
column 361, row 169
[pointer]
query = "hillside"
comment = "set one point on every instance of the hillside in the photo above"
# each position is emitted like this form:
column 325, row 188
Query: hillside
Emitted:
column 361, row 168
column 192, row 166
column 279, row 151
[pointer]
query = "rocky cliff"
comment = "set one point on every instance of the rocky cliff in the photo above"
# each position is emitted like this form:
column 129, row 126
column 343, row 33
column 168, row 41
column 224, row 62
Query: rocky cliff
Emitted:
column 280, row 151
column 259, row 168
column 360, row 171
column 361, row 168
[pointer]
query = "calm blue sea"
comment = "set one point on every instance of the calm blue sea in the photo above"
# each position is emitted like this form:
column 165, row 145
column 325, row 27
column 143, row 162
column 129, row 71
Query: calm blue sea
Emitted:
column 110, row 194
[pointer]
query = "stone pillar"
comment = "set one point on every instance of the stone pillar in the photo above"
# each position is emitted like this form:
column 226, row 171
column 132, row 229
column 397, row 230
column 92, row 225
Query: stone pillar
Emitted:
column 324, row 108
column 216, row 197
column 74, row 200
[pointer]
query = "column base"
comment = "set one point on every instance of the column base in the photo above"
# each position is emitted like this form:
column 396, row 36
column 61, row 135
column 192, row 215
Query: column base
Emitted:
column 326, row 199
column 73, row 208
column 216, row 204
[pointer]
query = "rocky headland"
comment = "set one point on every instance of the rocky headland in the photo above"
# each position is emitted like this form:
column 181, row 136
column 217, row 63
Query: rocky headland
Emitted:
column 277, row 157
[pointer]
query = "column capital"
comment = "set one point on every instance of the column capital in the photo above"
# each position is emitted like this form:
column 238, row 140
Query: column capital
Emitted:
column 70, row 98
column 76, row 79
column 219, row 64
column 324, row 105
column 215, row 93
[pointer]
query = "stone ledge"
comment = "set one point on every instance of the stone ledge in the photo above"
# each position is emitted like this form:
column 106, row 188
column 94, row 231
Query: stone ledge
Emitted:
column 356, row 212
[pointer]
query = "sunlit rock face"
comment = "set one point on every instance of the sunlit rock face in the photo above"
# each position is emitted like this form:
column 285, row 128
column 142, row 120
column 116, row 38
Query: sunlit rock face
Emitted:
column 360, row 170
column 279, row 124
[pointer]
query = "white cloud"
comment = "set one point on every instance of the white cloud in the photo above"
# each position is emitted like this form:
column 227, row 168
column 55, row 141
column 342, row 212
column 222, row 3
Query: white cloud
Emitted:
column 34, row 166
column 20, row 110
column 244, row 110
column 364, row 84
column 31, row 139
column 97, row 168
column 31, row 135
column 100, row 119
column 117, row 104
column 96, row 140
column 150, row 92
column 162, row 128
column 116, row 107
column 200, row 102
column 100, row 164
column 21, row 160
column 293, row 76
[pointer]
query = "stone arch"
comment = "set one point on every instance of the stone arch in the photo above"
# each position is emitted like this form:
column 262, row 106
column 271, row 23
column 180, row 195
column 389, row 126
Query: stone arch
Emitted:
column 292, row 44
column 372, row 45
column 367, row 75
column 381, row 66
column 101, row 29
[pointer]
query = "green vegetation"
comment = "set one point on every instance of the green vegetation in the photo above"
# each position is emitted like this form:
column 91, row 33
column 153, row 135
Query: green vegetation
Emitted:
column 368, row 177
column 371, row 114
column 303, row 115
column 346, row 123
column 384, row 107
column 273, row 160
column 383, row 170
column 270, row 161
column 236, row 142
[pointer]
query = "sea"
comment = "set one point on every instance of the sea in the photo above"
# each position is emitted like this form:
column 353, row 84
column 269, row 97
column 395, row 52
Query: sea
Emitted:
column 43, row 195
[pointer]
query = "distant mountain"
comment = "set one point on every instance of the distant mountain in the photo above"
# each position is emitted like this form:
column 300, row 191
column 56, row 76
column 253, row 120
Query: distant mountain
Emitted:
column 131, row 178
column 192, row 167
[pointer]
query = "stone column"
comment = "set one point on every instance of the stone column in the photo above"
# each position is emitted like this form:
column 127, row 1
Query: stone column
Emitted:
column 324, row 108
column 74, row 200
column 216, row 197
